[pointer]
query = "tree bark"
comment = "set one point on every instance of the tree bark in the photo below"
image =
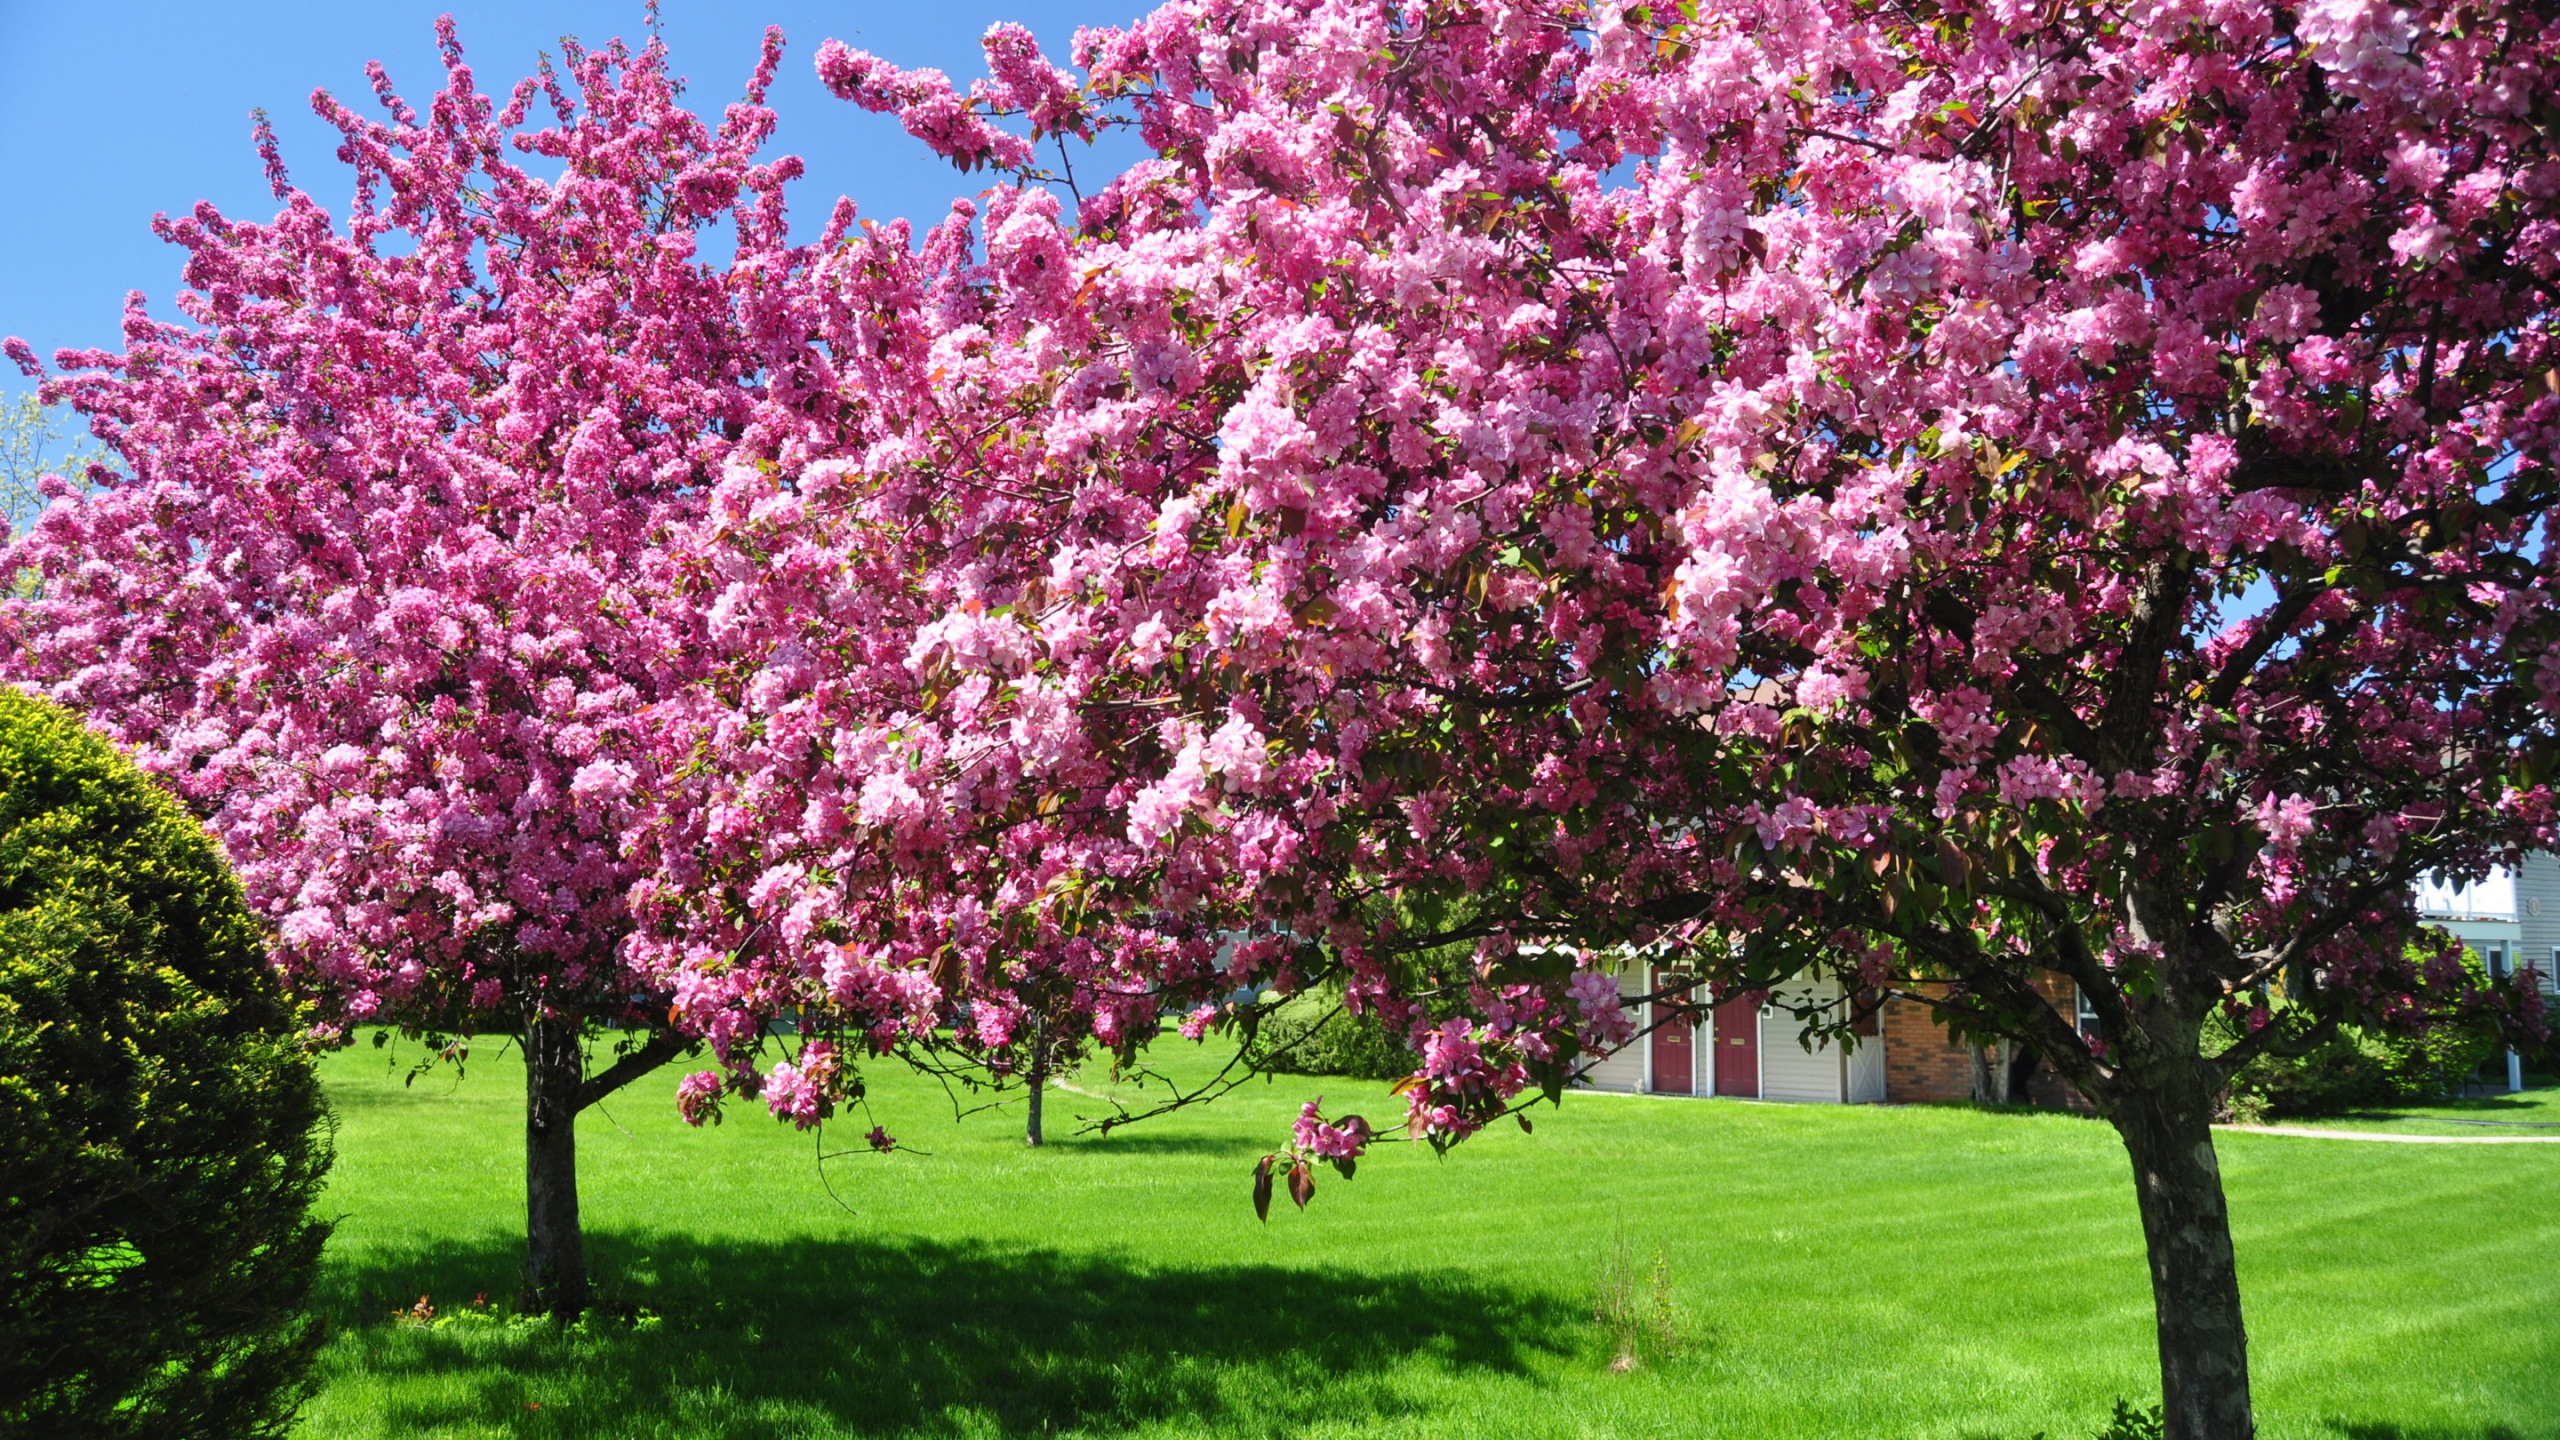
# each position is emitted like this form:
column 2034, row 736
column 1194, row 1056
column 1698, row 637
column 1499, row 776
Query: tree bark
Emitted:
column 1995, row 1069
column 2195, row 1285
column 555, row 1272
column 1039, row 1077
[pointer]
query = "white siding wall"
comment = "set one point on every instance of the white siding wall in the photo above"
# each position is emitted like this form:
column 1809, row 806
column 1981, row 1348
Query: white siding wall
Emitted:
column 2538, row 915
column 1787, row 1070
column 1866, row 1071
column 1625, row 1069
column 2484, row 935
column 1622, row 1071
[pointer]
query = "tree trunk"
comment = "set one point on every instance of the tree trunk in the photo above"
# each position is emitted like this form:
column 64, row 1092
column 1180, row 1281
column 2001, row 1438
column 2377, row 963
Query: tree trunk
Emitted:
column 2018, row 1068
column 555, row 1272
column 1994, row 1070
column 2195, row 1287
column 1039, row 1077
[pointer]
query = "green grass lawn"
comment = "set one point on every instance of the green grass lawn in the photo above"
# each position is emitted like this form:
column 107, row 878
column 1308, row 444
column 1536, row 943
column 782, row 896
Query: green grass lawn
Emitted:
column 2533, row 1111
column 1831, row 1272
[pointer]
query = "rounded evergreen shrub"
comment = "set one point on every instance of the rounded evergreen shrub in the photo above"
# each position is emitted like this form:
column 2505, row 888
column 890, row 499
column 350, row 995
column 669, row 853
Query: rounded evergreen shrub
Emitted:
column 162, row 1134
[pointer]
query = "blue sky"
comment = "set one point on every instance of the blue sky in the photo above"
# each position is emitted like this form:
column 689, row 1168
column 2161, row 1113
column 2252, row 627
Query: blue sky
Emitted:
column 111, row 112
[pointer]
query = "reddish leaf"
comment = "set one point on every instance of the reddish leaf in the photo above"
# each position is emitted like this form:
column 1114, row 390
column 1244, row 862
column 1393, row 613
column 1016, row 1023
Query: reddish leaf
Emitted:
column 1302, row 1183
column 1262, row 1190
column 1952, row 867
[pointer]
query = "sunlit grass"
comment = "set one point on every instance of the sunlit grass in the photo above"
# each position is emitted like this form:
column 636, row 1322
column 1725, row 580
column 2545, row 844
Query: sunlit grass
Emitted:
column 2534, row 1111
column 1829, row 1271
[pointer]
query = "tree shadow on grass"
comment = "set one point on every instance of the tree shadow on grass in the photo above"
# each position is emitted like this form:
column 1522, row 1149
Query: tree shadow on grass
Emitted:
column 1244, row 1149
column 2387, row 1431
column 866, row 1337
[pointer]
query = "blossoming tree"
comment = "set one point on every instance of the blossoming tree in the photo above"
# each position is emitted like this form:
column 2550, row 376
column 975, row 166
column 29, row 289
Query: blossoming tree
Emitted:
column 385, row 594
column 1981, row 500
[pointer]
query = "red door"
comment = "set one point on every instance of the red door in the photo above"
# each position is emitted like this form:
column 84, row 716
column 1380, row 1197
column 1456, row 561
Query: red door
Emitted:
column 1737, row 1046
column 1675, row 1065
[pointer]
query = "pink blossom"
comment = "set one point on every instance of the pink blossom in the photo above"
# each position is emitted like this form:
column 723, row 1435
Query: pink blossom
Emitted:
column 1319, row 1139
column 1605, row 1020
column 794, row 1095
column 2286, row 821
column 698, row 1097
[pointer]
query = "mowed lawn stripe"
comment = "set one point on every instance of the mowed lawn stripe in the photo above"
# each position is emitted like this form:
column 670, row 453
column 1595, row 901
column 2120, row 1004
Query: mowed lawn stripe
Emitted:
column 1831, row 1271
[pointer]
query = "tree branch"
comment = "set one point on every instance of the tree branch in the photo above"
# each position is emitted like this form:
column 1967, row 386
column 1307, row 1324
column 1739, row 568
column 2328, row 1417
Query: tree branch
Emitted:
column 2269, row 633
column 2266, row 1040
column 2129, row 723
column 661, row 1047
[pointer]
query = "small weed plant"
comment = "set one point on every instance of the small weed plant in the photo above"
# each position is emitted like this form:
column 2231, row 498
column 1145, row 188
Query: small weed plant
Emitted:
column 1634, row 1309
column 481, row 1315
column 2130, row 1422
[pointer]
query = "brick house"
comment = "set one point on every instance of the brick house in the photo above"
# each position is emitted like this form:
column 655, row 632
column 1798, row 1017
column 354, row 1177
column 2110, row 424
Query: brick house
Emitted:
column 2509, row 920
column 1751, row 1052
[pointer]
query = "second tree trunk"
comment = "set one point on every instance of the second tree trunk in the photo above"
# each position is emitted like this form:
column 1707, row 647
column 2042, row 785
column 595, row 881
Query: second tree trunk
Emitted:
column 555, row 1249
column 1039, row 1077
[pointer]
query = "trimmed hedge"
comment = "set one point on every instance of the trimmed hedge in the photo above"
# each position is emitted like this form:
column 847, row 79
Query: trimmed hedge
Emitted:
column 162, row 1134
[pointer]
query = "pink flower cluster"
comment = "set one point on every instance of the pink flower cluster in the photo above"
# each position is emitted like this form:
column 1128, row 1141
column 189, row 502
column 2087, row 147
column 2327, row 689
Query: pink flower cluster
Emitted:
column 798, row 1092
column 1317, row 1138
column 698, row 1097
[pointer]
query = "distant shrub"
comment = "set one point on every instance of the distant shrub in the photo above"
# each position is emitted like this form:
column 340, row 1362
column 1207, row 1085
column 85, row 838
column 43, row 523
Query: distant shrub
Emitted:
column 1313, row 1034
column 2360, row 1069
column 162, row 1134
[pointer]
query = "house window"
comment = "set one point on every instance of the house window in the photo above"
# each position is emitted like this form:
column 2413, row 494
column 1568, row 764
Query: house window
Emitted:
column 2083, row 1015
column 2496, row 956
